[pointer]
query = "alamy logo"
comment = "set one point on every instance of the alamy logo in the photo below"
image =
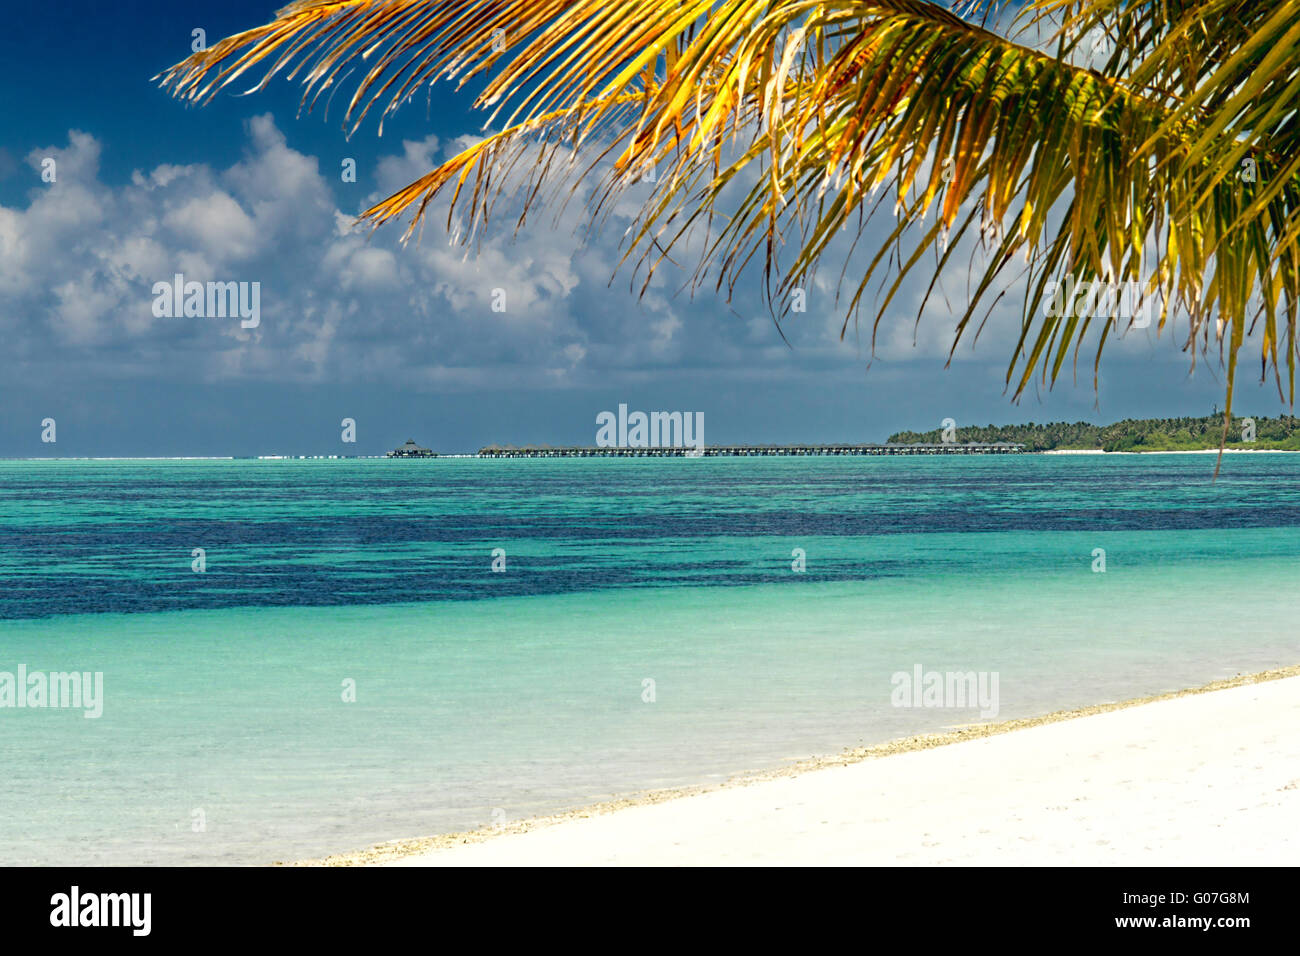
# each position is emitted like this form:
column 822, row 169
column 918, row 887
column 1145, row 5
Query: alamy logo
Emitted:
column 1097, row 299
column 212, row 300
column 57, row 689
column 923, row 688
column 655, row 430
column 75, row 908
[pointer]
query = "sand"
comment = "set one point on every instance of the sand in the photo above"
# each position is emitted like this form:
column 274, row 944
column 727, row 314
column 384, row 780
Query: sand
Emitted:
column 1197, row 778
column 1192, row 451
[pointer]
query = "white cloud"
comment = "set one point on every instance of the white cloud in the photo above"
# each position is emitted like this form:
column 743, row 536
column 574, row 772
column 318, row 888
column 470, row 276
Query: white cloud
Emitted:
column 216, row 224
column 341, row 304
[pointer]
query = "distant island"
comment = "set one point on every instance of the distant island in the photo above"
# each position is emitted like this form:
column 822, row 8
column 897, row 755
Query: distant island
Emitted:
column 1132, row 434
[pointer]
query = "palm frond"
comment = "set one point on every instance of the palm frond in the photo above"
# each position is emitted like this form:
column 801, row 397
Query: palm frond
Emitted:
column 805, row 109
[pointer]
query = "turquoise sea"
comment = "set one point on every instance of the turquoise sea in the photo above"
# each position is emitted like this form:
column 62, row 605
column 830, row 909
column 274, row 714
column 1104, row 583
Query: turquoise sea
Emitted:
column 649, row 628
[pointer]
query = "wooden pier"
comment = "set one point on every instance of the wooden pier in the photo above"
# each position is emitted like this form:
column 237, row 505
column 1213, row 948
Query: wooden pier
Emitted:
column 745, row 451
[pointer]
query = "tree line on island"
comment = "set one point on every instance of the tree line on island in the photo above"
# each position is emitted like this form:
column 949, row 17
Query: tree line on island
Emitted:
column 1132, row 434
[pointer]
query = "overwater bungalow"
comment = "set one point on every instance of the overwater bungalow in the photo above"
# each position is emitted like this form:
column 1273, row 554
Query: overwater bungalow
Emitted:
column 711, row 451
column 411, row 450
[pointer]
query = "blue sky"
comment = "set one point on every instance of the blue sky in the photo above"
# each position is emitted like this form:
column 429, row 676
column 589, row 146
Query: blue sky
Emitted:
column 403, row 339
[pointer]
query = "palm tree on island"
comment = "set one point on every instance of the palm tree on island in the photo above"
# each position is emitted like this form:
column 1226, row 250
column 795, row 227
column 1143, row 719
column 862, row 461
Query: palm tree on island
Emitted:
column 1083, row 146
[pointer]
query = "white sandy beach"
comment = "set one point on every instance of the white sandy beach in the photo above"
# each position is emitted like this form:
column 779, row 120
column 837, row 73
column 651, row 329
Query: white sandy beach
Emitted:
column 1193, row 451
column 1204, row 779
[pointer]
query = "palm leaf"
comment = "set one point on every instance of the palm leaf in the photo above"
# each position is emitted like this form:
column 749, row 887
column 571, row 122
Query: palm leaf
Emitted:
column 1126, row 172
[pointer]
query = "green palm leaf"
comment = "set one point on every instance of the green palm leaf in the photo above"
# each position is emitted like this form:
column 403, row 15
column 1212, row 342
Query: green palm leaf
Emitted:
column 1124, row 169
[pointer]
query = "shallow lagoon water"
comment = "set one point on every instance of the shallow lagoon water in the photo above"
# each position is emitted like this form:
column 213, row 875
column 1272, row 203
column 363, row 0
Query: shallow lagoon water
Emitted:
column 482, row 694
